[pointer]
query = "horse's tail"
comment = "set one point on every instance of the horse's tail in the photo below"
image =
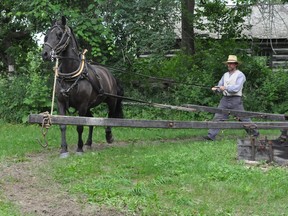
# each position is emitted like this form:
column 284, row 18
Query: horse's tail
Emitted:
column 119, row 108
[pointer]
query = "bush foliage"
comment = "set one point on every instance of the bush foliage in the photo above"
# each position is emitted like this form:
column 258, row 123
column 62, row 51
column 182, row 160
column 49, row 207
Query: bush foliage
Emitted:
column 188, row 80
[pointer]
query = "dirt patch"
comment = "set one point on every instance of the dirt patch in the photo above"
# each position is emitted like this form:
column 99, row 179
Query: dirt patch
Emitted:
column 37, row 194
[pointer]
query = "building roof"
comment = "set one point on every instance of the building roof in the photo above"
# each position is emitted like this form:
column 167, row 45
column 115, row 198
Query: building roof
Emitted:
column 267, row 22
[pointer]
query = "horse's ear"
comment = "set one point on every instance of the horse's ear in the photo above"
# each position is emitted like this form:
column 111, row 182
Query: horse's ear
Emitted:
column 53, row 22
column 63, row 20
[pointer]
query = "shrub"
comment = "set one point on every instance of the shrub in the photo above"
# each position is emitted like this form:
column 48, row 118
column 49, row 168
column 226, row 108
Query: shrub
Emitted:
column 25, row 92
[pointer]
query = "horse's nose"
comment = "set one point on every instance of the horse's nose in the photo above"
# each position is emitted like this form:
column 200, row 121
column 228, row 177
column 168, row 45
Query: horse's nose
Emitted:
column 45, row 55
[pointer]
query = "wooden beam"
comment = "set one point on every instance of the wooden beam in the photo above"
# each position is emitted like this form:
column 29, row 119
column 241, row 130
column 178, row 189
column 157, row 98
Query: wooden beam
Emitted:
column 239, row 113
column 88, row 121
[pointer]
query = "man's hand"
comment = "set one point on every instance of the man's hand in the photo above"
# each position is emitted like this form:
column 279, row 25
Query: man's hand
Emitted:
column 218, row 88
column 222, row 88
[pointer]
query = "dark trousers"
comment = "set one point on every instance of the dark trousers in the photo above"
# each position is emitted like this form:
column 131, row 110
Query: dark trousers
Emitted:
column 234, row 103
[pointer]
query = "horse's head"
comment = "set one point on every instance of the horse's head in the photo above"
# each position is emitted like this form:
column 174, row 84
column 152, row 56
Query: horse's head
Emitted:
column 56, row 40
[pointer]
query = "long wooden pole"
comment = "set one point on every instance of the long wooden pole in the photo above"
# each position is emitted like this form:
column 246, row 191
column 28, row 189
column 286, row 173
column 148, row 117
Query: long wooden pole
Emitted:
column 239, row 113
column 88, row 121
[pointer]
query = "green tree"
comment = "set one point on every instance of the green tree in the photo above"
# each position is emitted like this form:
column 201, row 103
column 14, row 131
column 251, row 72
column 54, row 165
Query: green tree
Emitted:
column 224, row 22
column 15, row 35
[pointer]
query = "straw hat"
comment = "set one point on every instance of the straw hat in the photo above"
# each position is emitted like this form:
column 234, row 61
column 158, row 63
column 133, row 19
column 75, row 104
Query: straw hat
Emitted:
column 232, row 59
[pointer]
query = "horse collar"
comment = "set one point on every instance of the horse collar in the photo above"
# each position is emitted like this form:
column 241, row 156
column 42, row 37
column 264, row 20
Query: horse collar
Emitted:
column 75, row 73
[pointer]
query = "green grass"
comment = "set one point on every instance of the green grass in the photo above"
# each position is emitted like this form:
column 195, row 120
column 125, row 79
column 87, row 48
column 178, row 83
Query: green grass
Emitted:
column 7, row 208
column 159, row 172
column 182, row 178
column 18, row 140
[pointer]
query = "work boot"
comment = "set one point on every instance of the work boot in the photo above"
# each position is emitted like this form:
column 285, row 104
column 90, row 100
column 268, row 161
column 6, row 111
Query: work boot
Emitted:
column 256, row 134
column 208, row 138
column 283, row 136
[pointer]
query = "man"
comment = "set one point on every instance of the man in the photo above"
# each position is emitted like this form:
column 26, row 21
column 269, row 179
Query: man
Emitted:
column 231, row 86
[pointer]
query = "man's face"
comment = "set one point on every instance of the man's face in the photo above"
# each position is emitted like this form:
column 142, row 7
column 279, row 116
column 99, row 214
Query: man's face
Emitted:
column 231, row 66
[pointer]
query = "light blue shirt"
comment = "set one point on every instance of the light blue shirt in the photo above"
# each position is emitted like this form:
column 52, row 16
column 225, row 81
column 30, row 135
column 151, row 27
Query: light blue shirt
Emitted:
column 237, row 87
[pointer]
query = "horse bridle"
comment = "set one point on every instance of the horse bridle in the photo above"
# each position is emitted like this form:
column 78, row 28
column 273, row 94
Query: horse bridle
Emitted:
column 60, row 46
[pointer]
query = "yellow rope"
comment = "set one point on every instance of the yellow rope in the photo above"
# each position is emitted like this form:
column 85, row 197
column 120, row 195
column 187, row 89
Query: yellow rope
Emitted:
column 46, row 122
column 54, row 85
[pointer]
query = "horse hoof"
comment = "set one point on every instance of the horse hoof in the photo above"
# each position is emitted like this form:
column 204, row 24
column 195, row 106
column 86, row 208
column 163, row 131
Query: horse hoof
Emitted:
column 79, row 153
column 88, row 147
column 88, row 143
column 110, row 140
column 64, row 155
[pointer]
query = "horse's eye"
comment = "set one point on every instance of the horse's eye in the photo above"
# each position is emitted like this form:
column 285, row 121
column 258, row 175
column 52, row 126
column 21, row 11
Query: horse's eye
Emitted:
column 45, row 38
column 59, row 35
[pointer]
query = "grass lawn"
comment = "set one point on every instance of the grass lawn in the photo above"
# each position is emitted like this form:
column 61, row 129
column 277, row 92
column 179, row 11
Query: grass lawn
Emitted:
column 156, row 172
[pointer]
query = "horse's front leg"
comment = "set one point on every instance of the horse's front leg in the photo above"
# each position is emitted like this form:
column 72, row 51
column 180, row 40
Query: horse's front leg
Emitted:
column 80, row 140
column 64, row 147
column 90, row 134
column 82, row 112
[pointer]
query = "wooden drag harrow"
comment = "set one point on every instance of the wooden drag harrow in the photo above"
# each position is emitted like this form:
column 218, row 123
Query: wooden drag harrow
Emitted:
column 248, row 149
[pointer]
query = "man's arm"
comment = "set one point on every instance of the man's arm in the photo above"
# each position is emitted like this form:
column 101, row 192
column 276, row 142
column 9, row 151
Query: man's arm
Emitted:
column 220, row 84
column 239, row 84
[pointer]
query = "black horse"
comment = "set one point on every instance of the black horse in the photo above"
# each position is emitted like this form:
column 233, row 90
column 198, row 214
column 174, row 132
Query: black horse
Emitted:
column 79, row 84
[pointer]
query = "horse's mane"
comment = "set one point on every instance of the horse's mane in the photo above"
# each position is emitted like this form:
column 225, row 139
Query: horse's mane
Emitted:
column 76, row 41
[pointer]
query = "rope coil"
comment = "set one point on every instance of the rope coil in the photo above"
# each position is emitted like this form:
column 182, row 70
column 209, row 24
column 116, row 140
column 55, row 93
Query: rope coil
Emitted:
column 46, row 123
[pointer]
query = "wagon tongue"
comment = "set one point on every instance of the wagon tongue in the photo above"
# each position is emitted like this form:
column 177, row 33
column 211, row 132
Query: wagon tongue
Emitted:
column 238, row 113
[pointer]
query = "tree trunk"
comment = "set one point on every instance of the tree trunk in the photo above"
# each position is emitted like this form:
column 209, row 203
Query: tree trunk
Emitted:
column 7, row 42
column 187, row 42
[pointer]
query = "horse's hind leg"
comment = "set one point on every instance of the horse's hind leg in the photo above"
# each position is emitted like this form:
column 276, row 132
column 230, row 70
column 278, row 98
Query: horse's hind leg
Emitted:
column 90, row 134
column 115, row 111
column 108, row 130
column 109, row 136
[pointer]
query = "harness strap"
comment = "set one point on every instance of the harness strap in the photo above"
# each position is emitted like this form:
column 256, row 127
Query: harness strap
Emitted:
column 91, row 78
